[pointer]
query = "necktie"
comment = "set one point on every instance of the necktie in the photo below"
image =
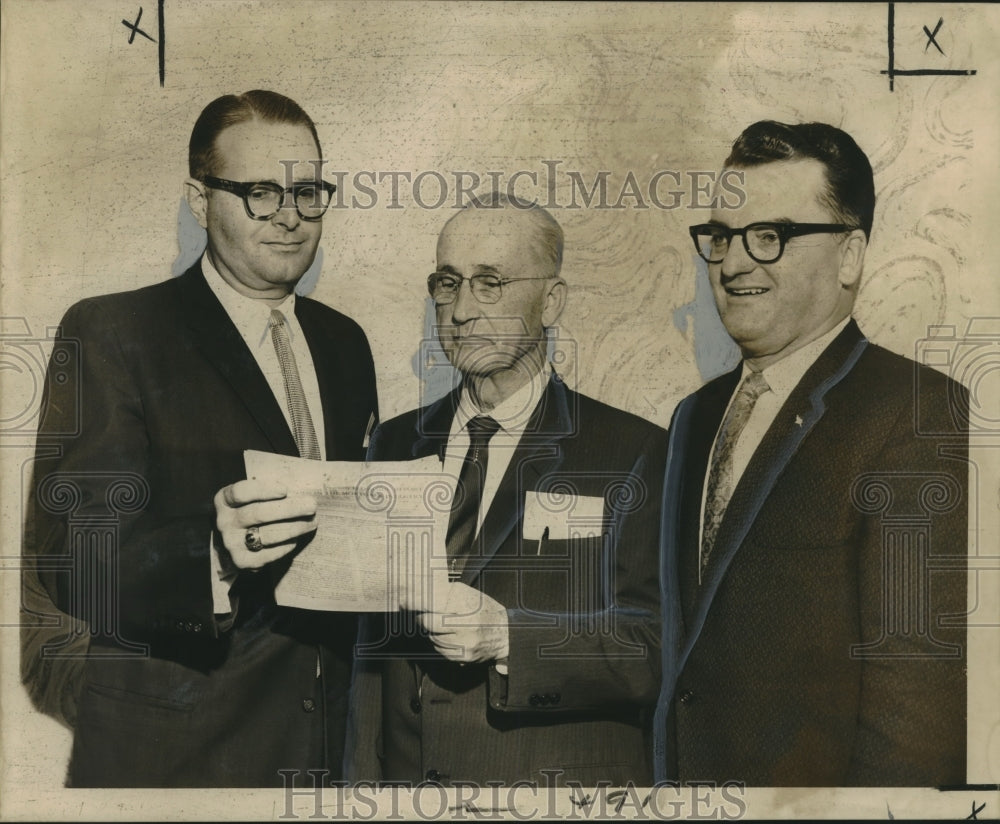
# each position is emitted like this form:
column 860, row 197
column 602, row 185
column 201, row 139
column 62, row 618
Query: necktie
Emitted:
column 720, row 476
column 469, row 494
column 298, row 409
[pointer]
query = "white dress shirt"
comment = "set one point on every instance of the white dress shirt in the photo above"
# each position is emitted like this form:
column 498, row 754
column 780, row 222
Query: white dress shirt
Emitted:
column 513, row 415
column 251, row 318
column 782, row 377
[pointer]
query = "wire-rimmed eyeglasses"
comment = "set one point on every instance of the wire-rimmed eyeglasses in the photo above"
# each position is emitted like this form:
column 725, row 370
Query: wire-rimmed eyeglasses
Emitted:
column 486, row 287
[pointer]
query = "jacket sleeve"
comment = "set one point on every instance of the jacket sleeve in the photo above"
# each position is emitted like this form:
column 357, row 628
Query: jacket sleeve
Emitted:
column 913, row 581
column 105, row 554
column 608, row 655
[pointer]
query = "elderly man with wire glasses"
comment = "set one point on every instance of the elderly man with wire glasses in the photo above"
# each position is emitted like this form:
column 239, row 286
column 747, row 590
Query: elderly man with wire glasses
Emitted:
column 815, row 536
column 195, row 677
column 534, row 656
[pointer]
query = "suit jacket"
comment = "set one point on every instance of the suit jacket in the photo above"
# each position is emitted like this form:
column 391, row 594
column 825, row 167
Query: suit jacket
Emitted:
column 583, row 618
column 826, row 644
column 152, row 396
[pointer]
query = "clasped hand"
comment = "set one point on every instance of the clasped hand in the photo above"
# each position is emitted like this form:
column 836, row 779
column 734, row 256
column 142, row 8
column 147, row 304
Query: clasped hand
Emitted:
column 464, row 624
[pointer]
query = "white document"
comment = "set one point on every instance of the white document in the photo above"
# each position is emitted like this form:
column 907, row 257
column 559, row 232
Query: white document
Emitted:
column 365, row 514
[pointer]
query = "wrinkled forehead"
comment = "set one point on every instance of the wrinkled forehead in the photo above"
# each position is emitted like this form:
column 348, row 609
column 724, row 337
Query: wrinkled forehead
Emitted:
column 785, row 190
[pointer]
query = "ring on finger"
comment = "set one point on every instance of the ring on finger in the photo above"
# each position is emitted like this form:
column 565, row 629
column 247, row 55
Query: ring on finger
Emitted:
column 252, row 539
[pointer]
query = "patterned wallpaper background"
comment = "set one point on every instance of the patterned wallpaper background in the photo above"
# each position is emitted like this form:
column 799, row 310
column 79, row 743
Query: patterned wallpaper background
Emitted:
column 548, row 99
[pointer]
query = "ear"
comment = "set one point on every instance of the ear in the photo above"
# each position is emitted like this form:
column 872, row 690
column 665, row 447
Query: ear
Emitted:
column 852, row 258
column 554, row 302
column 197, row 200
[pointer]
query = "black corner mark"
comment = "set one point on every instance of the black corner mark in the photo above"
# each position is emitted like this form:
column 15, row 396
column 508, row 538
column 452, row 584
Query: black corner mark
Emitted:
column 893, row 72
column 161, row 42
column 134, row 28
column 931, row 35
column 973, row 816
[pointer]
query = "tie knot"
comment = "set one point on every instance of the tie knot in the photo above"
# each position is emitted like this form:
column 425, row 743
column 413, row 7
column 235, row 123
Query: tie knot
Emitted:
column 481, row 429
column 754, row 385
column 277, row 318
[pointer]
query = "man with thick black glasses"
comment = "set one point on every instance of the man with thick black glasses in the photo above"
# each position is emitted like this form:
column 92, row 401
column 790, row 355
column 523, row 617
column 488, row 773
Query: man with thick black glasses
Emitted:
column 195, row 677
column 814, row 542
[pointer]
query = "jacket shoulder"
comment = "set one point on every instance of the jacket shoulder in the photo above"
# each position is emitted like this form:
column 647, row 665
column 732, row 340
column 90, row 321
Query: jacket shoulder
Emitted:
column 618, row 423
column 937, row 402
column 336, row 322
column 139, row 305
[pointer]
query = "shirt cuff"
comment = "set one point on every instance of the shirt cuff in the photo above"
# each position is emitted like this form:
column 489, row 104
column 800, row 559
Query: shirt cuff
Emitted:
column 222, row 581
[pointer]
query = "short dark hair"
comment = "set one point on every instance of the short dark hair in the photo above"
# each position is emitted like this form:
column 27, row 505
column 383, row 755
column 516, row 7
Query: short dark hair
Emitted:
column 850, row 193
column 549, row 238
column 231, row 109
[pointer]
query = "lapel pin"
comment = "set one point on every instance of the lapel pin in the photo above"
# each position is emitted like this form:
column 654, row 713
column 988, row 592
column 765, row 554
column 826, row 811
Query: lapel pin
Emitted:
column 798, row 420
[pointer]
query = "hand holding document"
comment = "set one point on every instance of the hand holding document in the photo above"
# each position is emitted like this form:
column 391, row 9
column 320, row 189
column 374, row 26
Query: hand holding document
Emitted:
column 375, row 522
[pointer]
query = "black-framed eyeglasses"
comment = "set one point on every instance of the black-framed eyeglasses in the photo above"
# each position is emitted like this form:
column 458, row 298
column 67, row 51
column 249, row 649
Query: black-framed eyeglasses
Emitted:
column 486, row 287
column 263, row 200
column 764, row 242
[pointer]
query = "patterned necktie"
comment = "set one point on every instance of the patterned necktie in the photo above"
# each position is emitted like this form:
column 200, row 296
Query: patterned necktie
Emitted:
column 720, row 476
column 468, row 497
column 298, row 409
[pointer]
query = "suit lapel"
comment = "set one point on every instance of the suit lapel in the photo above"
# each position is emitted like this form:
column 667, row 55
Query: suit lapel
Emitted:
column 700, row 426
column 332, row 377
column 538, row 454
column 223, row 346
column 433, row 426
column 796, row 419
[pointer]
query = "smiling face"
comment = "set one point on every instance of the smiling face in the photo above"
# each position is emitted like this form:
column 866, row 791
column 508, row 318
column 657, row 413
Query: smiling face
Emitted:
column 772, row 309
column 506, row 340
column 259, row 258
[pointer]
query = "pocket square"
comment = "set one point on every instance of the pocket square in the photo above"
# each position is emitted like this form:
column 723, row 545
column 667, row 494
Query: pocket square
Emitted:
column 561, row 516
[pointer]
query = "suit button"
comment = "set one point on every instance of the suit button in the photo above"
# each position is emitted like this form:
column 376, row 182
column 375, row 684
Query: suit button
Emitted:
column 686, row 696
column 180, row 625
column 308, row 704
column 415, row 705
column 556, row 698
column 197, row 627
column 433, row 775
column 535, row 700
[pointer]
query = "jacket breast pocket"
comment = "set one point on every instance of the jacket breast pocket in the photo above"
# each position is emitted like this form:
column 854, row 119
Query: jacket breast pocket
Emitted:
column 565, row 575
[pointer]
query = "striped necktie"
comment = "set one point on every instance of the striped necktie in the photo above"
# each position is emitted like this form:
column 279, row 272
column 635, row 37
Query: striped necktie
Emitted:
column 298, row 409
column 720, row 476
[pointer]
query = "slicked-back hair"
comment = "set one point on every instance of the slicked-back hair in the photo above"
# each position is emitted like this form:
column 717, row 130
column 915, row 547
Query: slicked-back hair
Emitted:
column 231, row 109
column 548, row 237
column 850, row 185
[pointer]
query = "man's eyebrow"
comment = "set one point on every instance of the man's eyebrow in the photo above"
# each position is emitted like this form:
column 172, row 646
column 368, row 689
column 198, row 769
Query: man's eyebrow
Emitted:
column 448, row 269
column 487, row 269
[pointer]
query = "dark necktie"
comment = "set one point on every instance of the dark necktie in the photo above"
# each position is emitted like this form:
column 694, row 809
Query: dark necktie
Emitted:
column 298, row 409
column 720, row 477
column 469, row 494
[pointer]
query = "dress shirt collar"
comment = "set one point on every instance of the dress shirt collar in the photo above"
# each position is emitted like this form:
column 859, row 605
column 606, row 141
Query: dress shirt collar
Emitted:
column 512, row 413
column 250, row 315
column 784, row 375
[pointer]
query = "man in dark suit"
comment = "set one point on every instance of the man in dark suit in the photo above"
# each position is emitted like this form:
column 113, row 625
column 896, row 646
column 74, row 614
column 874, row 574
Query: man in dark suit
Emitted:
column 536, row 658
column 814, row 540
column 195, row 677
